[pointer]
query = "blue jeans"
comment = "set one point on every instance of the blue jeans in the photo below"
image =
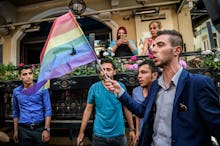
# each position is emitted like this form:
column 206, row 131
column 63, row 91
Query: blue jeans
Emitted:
column 30, row 137
column 114, row 141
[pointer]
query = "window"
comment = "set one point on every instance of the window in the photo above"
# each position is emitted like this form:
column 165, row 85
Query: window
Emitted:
column 215, row 39
column 205, row 42
column 32, row 43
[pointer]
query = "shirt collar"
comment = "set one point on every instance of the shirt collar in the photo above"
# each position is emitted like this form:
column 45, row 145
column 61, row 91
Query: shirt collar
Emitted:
column 174, row 80
column 177, row 76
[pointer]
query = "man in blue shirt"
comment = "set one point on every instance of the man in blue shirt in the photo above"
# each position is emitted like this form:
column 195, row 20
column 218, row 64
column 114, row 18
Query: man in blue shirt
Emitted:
column 31, row 113
column 109, row 127
column 147, row 73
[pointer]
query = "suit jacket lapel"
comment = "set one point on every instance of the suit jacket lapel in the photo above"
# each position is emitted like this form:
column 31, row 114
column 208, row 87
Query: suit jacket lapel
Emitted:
column 147, row 129
column 180, row 85
column 152, row 94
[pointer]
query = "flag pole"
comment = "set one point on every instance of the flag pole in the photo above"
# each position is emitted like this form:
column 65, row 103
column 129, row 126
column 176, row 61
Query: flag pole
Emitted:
column 106, row 76
column 100, row 66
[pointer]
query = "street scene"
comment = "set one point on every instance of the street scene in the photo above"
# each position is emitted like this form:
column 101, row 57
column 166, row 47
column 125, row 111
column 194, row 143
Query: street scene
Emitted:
column 109, row 72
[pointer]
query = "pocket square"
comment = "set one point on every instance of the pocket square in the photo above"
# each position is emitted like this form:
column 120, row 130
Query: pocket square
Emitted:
column 182, row 107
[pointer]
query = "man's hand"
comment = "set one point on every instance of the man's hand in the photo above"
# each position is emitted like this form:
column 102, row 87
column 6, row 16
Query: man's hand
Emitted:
column 80, row 139
column 15, row 136
column 132, row 137
column 45, row 136
column 113, row 86
column 136, row 137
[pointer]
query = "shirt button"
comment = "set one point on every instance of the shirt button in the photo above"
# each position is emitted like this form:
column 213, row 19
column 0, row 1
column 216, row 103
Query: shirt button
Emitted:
column 173, row 141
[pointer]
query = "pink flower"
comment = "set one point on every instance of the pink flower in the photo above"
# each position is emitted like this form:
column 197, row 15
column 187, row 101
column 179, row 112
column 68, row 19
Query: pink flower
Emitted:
column 21, row 64
column 127, row 66
column 207, row 52
column 134, row 66
column 130, row 67
column 139, row 61
column 133, row 58
column 183, row 63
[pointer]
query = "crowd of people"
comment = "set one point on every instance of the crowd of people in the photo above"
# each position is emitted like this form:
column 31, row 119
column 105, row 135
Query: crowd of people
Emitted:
column 181, row 108
column 123, row 46
column 171, row 108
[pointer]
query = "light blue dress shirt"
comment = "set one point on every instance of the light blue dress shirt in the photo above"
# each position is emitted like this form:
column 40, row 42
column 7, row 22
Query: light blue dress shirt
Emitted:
column 137, row 95
column 164, row 109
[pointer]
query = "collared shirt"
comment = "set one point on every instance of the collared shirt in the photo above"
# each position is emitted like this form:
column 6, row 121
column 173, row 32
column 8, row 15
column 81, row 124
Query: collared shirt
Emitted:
column 31, row 109
column 137, row 95
column 164, row 108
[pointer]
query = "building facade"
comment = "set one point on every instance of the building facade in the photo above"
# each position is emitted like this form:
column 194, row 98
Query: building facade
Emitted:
column 24, row 41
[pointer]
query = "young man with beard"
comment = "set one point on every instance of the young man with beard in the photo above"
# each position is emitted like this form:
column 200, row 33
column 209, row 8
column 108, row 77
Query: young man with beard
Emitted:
column 31, row 113
column 147, row 73
column 109, row 125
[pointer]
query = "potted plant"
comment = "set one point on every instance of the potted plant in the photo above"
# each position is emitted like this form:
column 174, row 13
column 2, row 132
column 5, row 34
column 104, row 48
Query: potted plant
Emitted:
column 211, row 59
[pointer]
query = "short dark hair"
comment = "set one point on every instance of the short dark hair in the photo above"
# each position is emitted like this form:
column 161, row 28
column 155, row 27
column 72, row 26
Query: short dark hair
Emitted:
column 19, row 68
column 175, row 38
column 108, row 60
column 151, row 65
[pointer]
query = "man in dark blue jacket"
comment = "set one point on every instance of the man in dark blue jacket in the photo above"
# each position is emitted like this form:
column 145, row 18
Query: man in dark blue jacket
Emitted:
column 182, row 109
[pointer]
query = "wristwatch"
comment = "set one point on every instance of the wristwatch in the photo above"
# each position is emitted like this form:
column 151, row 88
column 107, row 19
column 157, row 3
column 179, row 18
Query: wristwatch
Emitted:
column 131, row 129
column 47, row 129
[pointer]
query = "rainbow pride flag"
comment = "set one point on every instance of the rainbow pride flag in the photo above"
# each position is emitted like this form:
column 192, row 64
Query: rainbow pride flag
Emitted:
column 66, row 48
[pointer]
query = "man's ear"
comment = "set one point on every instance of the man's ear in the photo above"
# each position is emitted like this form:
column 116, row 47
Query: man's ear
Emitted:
column 19, row 76
column 154, row 75
column 177, row 50
column 114, row 72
